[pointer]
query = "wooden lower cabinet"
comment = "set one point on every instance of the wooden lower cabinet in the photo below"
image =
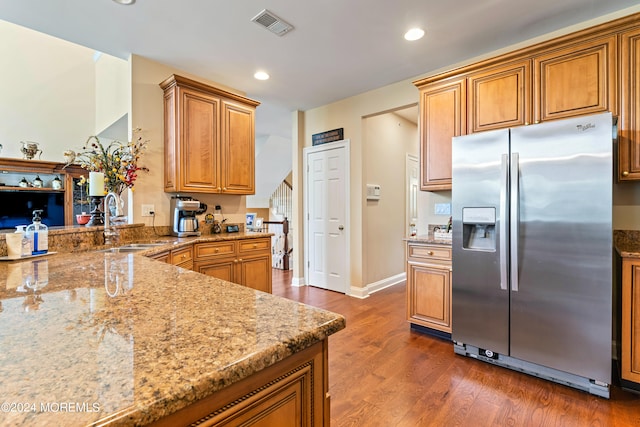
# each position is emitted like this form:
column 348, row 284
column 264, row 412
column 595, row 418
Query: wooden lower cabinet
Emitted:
column 293, row 392
column 245, row 261
column 630, row 328
column 164, row 256
column 429, row 286
column 181, row 257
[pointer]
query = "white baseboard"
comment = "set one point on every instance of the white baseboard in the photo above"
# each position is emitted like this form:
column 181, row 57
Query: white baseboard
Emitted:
column 297, row 281
column 377, row 286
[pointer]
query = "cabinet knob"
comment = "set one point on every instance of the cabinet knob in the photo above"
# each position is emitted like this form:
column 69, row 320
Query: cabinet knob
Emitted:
column 217, row 250
column 625, row 173
column 240, row 260
column 255, row 245
column 526, row 123
column 537, row 121
column 235, row 261
column 224, row 188
column 219, row 189
column 430, row 253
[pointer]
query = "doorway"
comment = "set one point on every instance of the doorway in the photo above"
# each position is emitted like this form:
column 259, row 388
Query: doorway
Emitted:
column 326, row 213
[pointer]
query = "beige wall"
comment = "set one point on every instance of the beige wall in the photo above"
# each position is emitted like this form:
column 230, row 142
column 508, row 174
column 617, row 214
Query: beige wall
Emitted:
column 387, row 138
column 47, row 94
column 147, row 114
column 113, row 91
column 348, row 114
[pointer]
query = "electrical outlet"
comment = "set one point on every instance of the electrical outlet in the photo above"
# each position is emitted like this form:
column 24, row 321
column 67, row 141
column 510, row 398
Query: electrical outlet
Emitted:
column 147, row 210
column 443, row 209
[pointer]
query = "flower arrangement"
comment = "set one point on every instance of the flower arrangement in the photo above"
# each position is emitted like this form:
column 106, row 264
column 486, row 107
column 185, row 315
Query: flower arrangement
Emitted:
column 118, row 161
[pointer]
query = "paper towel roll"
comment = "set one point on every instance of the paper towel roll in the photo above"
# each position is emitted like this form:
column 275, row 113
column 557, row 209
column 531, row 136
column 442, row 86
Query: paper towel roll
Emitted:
column 14, row 245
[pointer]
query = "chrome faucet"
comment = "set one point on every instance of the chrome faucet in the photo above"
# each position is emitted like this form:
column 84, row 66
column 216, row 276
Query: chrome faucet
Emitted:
column 111, row 234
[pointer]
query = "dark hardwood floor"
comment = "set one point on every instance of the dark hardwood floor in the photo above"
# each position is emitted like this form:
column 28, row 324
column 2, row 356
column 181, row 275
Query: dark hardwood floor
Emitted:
column 381, row 373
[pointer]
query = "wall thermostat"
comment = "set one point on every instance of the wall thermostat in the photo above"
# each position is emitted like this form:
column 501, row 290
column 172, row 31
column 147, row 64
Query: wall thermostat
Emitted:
column 373, row 192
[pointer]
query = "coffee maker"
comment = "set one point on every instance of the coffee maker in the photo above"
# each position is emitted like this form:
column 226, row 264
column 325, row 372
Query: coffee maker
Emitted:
column 183, row 216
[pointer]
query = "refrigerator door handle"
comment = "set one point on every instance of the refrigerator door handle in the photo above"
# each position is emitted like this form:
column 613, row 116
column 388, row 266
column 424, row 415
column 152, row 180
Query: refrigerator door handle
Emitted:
column 515, row 220
column 504, row 182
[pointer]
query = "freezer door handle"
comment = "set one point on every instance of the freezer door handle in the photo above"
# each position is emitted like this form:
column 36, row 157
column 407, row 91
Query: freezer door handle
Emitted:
column 504, row 182
column 515, row 220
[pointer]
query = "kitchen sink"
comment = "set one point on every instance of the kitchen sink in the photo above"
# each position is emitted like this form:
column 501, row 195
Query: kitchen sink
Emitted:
column 124, row 249
column 135, row 247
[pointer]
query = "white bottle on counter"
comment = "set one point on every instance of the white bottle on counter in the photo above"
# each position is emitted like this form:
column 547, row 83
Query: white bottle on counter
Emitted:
column 38, row 234
column 25, row 244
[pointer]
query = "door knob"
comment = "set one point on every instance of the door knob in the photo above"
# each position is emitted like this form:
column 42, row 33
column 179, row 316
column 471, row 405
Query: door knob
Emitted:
column 341, row 227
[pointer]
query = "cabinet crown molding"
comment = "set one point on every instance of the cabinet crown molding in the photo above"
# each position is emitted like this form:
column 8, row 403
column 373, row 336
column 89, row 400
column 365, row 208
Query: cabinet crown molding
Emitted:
column 176, row 80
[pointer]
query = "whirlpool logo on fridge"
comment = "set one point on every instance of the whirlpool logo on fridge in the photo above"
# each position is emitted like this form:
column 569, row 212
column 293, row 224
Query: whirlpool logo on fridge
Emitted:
column 586, row 127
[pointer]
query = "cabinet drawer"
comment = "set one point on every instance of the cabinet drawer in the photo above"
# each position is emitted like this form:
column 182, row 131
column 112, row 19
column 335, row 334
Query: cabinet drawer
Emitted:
column 254, row 245
column 215, row 249
column 433, row 252
column 162, row 256
column 182, row 256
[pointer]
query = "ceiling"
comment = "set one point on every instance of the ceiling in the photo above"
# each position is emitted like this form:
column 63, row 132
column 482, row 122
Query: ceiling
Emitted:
column 337, row 48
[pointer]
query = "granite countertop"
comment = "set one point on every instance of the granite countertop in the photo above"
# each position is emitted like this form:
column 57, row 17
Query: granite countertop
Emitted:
column 428, row 239
column 627, row 243
column 95, row 337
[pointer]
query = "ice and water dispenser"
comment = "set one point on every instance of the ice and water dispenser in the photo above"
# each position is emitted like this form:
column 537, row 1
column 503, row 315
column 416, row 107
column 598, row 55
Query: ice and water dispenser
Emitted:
column 479, row 228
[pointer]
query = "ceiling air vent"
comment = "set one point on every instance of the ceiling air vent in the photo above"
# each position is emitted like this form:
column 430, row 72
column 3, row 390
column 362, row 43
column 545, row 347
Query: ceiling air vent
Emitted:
column 272, row 23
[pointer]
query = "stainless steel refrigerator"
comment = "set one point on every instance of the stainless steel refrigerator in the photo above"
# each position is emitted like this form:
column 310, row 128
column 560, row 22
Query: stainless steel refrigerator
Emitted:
column 532, row 249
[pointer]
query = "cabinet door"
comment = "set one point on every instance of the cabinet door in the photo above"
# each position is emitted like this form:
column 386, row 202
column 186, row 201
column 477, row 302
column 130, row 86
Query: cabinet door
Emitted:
column 500, row 97
column 200, row 134
column 629, row 129
column 171, row 141
column 255, row 273
column 630, row 369
column 576, row 80
column 429, row 296
column 237, row 166
column 443, row 116
column 221, row 269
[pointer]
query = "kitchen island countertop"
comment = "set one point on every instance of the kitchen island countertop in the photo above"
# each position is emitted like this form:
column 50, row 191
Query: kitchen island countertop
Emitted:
column 91, row 338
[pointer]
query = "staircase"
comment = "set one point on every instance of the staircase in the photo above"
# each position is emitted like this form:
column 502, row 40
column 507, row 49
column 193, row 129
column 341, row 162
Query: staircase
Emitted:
column 280, row 205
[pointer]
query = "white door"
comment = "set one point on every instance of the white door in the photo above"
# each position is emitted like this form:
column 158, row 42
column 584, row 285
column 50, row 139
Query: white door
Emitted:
column 412, row 179
column 326, row 214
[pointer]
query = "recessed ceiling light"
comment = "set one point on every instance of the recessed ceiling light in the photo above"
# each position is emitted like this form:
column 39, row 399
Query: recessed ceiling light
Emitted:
column 261, row 75
column 414, row 34
column 125, row 2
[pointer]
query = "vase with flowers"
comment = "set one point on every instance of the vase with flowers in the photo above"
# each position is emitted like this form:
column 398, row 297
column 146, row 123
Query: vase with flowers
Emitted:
column 118, row 161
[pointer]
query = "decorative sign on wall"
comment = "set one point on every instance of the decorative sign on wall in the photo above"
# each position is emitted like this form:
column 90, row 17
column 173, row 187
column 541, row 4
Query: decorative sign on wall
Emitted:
column 328, row 136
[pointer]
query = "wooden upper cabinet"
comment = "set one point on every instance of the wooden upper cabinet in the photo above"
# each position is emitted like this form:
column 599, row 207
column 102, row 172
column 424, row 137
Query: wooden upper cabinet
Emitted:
column 576, row 80
column 238, row 149
column 442, row 116
column 500, row 97
column 629, row 125
column 209, row 138
column 200, row 136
